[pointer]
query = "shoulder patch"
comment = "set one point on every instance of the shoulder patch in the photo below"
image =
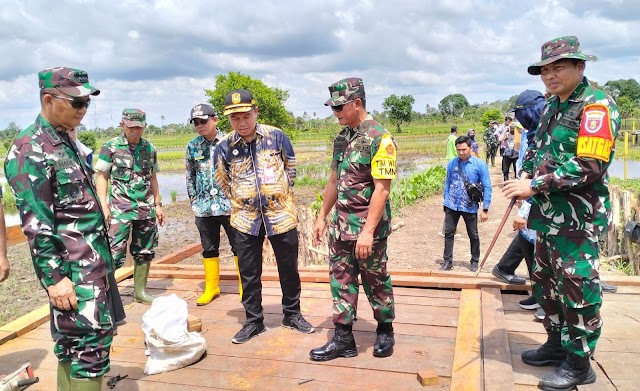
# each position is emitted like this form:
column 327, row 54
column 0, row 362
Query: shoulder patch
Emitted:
column 595, row 139
column 383, row 164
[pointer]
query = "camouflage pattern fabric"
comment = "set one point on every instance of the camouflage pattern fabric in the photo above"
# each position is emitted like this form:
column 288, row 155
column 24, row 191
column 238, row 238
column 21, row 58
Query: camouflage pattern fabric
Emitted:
column 204, row 193
column 557, row 49
column 344, row 268
column 65, row 228
column 573, row 192
column 258, row 177
column 491, row 141
column 345, row 90
column 130, row 196
column 144, row 240
column 353, row 150
column 567, row 286
column 69, row 81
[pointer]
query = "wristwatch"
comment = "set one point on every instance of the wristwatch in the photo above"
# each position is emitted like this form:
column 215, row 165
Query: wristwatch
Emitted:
column 485, row 210
column 158, row 203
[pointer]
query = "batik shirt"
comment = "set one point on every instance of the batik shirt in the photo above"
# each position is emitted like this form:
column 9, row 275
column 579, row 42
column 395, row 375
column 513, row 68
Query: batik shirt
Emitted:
column 574, row 146
column 455, row 193
column 59, row 208
column 257, row 177
column 130, row 173
column 204, row 194
column 361, row 155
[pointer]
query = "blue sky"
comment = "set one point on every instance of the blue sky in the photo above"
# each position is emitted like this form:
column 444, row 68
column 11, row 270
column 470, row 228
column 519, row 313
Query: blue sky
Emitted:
column 160, row 55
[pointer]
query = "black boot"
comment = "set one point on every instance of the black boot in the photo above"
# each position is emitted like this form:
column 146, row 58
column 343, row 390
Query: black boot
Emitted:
column 341, row 345
column 551, row 353
column 383, row 347
column 447, row 265
column 575, row 370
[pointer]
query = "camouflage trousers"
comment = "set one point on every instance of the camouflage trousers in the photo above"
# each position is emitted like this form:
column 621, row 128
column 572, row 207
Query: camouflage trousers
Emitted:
column 566, row 283
column 144, row 238
column 83, row 336
column 343, row 274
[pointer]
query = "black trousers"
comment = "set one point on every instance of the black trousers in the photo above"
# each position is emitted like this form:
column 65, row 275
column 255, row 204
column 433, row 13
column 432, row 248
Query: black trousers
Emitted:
column 209, row 228
column 518, row 249
column 285, row 247
column 507, row 162
column 451, row 218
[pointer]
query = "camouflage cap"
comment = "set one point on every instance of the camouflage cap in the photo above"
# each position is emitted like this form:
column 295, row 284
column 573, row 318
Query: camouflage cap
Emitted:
column 134, row 117
column 69, row 81
column 345, row 90
column 238, row 101
column 202, row 111
column 557, row 49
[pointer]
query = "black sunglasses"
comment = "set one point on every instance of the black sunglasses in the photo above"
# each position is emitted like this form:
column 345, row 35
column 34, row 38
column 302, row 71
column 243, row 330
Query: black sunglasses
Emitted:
column 339, row 108
column 75, row 103
column 198, row 121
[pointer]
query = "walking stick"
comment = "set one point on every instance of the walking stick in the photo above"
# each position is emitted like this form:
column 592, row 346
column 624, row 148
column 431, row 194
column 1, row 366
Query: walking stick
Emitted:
column 495, row 237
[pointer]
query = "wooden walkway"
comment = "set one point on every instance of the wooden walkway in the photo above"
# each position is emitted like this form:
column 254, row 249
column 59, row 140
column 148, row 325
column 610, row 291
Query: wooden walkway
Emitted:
column 471, row 337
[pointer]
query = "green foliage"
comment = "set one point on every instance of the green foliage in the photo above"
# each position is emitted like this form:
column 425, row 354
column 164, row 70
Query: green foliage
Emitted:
column 174, row 195
column 623, row 88
column 627, row 108
column 270, row 101
column 490, row 115
column 453, row 105
column 632, row 185
column 88, row 139
column 400, row 109
column 316, row 204
column 8, row 200
column 407, row 191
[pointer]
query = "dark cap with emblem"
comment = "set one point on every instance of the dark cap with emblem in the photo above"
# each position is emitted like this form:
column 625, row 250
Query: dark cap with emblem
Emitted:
column 557, row 49
column 69, row 81
column 345, row 90
column 202, row 111
column 238, row 101
column 134, row 117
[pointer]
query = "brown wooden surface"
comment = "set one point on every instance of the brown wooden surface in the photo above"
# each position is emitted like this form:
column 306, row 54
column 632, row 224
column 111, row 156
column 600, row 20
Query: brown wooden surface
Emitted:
column 467, row 361
column 496, row 357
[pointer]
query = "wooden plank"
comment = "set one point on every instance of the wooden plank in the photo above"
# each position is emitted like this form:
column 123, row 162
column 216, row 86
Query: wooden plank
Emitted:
column 28, row 322
column 496, row 356
column 179, row 255
column 467, row 360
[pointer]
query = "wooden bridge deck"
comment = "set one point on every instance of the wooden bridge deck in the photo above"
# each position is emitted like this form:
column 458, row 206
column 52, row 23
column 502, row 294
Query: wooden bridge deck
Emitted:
column 471, row 337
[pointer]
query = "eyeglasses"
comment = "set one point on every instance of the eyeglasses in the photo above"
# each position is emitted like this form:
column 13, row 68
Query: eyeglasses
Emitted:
column 198, row 121
column 77, row 104
column 339, row 108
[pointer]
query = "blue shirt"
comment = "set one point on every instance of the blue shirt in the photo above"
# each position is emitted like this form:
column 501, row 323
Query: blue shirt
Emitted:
column 455, row 194
column 528, row 234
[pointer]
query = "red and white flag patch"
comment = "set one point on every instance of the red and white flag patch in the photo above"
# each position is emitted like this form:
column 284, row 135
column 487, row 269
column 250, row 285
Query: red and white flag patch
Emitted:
column 595, row 139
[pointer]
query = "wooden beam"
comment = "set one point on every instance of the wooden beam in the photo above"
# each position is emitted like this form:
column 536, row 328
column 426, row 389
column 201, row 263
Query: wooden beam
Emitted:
column 180, row 255
column 496, row 355
column 467, row 359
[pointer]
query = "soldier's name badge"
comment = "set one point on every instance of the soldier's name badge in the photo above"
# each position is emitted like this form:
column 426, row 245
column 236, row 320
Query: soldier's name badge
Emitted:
column 595, row 139
column 62, row 164
column 269, row 177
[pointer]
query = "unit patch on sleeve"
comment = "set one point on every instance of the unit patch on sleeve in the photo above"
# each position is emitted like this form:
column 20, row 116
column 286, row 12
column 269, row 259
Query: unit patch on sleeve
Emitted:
column 383, row 164
column 595, row 139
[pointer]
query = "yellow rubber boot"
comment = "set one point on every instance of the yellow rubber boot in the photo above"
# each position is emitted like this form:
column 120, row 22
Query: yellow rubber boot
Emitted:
column 211, row 280
column 239, row 279
column 64, row 375
column 89, row 384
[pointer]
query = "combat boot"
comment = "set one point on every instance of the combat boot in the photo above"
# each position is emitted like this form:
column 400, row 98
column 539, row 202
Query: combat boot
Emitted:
column 383, row 347
column 341, row 345
column 64, row 376
column 211, row 280
column 87, row 384
column 140, row 276
column 235, row 259
column 551, row 353
column 574, row 371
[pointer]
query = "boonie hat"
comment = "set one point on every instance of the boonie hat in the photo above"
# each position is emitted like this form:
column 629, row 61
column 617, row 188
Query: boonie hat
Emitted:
column 345, row 90
column 557, row 49
column 134, row 117
column 70, row 81
column 202, row 111
column 238, row 101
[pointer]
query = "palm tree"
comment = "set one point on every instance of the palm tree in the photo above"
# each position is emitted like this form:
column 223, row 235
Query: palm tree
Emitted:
column 162, row 119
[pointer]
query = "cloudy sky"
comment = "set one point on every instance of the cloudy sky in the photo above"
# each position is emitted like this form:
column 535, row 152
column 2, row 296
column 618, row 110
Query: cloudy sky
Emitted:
column 161, row 55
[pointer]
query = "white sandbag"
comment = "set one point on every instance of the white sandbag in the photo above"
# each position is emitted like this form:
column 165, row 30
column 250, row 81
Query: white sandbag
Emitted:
column 169, row 343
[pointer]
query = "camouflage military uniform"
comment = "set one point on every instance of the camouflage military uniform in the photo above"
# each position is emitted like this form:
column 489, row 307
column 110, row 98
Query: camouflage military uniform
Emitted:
column 569, row 162
column 63, row 221
column 491, row 144
column 353, row 153
column 132, row 203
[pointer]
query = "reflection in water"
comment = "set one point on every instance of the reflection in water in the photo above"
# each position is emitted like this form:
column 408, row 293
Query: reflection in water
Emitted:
column 616, row 168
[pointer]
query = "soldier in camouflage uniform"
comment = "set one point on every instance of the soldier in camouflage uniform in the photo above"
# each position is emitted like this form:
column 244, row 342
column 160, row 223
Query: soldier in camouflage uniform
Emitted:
column 131, row 164
column 363, row 165
column 4, row 261
column 567, row 177
column 491, row 143
column 65, row 228
column 210, row 206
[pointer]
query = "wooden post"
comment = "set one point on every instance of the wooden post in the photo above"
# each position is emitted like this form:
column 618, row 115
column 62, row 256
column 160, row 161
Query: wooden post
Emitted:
column 614, row 227
column 627, row 216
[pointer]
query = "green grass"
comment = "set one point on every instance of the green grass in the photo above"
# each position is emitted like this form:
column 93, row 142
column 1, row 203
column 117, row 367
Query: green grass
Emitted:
column 408, row 191
column 8, row 200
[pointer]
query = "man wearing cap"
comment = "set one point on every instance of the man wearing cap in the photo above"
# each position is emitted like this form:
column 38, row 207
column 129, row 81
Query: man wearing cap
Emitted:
column 130, row 163
column 61, row 216
column 255, row 167
column 362, row 167
column 451, row 143
column 471, row 133
column 210, row 206
column 567, row 177
column 491, row 143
